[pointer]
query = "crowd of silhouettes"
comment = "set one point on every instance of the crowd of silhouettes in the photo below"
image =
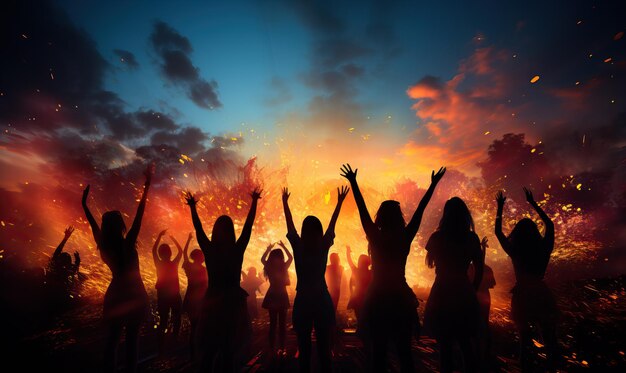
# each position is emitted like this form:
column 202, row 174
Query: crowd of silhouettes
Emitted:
column 220, row 299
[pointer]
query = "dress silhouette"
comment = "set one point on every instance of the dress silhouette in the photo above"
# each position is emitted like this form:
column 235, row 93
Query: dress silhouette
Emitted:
column 276, row 300
column 251, row 282
column 313, row 307
column 225, row 324
column 334, row 276
column 126, row 300
column 197, row 284
column 359, row 282
column 484, row 302
column 390, row 306
column 168, row 288
column 452, row 311
column 532, row 303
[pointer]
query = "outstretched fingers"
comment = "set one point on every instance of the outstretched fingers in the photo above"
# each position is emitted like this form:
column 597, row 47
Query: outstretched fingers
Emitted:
column 190, row 199
column 256, row 193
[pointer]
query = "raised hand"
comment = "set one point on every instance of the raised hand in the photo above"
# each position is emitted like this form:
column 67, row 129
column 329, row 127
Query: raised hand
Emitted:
column 484, row 243
column 282, row 244
column 76, row 257
column 342, row 193
column 348, row 249
column 348, row 173
column 500, row 198
column 529, row 196
column 270, row 246
column 190, row 199
column 436, row 177
column 286, row 194
column 256, row 193
column 86, row 194
column 68, row 231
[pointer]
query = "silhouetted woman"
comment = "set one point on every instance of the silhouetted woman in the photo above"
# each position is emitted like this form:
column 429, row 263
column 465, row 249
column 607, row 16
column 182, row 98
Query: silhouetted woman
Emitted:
column 62, row 276
column 197, row 284
column 359, row 282
column 276, row 300
column 532, row 303
column 225, row 324
column 334, row 276
column 390, row 308
column 126, row 300
column 250, row 282
column 168, row 288
column 313, row 307
column 484, row 302
column 452, row 310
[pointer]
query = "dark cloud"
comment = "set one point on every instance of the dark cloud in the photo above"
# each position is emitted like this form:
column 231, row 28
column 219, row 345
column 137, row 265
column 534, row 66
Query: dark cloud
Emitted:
column 127, row 58
column 173, row 50
column 61, row 117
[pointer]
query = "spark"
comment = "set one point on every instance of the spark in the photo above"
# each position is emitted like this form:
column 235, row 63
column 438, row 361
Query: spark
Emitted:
column 535, row 79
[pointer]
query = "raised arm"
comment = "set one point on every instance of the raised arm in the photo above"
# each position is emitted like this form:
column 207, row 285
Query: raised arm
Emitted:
column 246, row 232
column 95, row 228
column 76, row 262
column 201, row 236
column 291, row 228
column 266, row 254
column 349, row 256
column 416, row 220
column 179, row 254
column 366, row 220
column 186, row 248
column 289, row 256
column 155, row 256
column 133, row 233
column 549, row 235
column 341, row 196
column 66, row 236
column 504, row 241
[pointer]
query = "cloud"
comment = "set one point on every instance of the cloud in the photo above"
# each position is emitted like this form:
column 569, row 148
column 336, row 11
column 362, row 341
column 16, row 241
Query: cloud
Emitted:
column 127, row 58
column 174, row 50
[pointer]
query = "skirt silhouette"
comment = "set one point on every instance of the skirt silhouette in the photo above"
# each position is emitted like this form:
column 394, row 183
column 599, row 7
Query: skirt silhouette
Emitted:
column 452, row 309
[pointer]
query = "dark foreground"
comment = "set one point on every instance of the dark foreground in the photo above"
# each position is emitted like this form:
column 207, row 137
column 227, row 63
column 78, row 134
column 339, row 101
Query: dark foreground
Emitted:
column 591, row 333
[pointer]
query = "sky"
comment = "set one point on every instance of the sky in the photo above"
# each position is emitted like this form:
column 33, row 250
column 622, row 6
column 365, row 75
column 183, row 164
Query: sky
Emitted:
column 91, row 91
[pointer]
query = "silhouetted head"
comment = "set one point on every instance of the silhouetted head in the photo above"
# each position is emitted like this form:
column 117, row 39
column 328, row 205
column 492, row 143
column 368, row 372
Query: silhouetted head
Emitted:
column 456, row 217
column 334, row 259
column 364, row 262
column 65, row 260
column 224, row 231
column 389, row 216
column 165, row 252
column 312, row 231
column 525, row 234
column 252, row 272
column 113, row 226
column 275, row 262
column 197, row 256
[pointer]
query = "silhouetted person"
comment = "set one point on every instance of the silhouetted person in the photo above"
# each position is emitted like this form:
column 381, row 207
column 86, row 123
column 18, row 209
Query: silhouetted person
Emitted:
column 484, row 302
column 532, row 303
column 197, row 284
column 390, row 308
column 334, row 276
column 250, row 282
column 126, row 300
column 62, row 276
column 313, row 307
column 225, row 322
column 168, row 288
column 452, row 310
column 359, row 282
column 276, row 301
